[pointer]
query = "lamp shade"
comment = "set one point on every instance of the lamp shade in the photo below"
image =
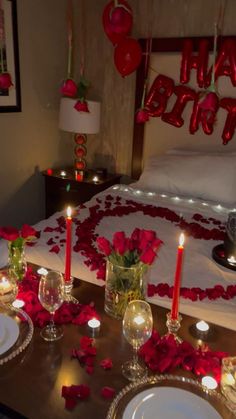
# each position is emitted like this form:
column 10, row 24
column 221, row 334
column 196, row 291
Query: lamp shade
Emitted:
column 75, row 121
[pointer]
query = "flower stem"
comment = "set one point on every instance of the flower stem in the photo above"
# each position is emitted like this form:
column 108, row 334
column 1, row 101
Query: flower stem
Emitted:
column 69, row 61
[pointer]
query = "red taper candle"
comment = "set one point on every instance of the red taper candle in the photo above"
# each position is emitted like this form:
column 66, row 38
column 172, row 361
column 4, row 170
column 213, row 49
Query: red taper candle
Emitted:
column 68, row 244
column 179, row 262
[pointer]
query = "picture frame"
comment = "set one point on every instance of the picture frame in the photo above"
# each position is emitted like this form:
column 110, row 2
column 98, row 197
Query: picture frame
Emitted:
column 10, row 99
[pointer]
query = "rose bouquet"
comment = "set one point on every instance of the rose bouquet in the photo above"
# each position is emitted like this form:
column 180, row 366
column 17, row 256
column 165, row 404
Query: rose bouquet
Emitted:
column 16, row 244
column 128, row 259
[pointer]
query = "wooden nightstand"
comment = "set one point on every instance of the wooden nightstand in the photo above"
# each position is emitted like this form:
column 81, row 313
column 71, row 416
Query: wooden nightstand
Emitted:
column 61, row 191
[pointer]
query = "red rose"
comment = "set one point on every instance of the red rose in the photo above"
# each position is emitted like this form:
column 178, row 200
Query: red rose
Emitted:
column 9, row 233
column 27, row 231
column 5, row 81
column 148, row 256
column 119, row 242
column 81, row 106
column 104, row 245
column 69, row 88
column 142, row 116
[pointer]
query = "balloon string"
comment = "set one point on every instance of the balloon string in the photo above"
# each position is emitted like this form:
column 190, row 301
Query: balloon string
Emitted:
column 1, row 60
column 116, row 3
column 82, row 37
column 70, row 36
column 214, row 56
column 147, row 57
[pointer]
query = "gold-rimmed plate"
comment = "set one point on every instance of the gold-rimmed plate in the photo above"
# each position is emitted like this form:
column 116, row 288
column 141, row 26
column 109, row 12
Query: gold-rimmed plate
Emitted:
column 16, row 332
column 168, row 397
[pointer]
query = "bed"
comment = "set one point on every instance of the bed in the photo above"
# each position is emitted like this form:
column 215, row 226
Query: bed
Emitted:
column 179, row 190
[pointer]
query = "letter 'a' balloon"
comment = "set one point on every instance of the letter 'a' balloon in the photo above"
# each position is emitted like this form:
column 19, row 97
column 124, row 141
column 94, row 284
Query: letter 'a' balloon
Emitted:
column 117, row 21
column 127, row 56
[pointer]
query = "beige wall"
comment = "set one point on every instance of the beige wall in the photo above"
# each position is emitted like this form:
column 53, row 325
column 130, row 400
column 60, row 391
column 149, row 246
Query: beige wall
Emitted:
column 31, row 140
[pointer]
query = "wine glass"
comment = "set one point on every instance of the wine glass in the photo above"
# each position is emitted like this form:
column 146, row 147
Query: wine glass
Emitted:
column 51, row 296
column 137, row 329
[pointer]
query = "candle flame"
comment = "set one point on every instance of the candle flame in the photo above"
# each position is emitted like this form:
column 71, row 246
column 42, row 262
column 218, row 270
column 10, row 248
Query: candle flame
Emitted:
column 181, row 239
column 68, row 211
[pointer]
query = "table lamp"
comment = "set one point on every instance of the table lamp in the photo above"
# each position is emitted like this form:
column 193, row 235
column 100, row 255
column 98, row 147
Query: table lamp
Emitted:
column 79, row 123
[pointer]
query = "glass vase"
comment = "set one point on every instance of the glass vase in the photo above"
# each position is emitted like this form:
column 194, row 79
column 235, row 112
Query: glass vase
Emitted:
column 122, row 286
column 16, row 261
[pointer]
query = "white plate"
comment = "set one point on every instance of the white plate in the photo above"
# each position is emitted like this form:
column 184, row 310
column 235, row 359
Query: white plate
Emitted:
column 9, row 332
column 169, row 403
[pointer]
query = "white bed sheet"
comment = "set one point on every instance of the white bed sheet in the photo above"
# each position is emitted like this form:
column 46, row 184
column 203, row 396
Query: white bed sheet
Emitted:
column 199, row 270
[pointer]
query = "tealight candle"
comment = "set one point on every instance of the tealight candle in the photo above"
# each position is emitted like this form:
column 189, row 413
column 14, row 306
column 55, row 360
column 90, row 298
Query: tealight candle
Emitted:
column 231, row 260
column 63, row 173
column 202, row 326
column 18, row 303
column 8, row 289
column 95, row 179
column 209, row 382
column 42, row 271
column 94, row 323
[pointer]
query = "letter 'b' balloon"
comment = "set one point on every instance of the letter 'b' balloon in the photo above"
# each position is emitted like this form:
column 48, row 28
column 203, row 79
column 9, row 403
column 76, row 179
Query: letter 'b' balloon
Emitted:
column 127, row 56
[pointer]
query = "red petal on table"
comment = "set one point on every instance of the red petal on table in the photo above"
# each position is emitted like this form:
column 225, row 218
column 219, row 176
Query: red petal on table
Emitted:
column 108, row 392
column 106, row 364
column 55, row 249
column 89, row 369
column 50, row 241
column 70, row 402
column 48, row 229
column 85, row 342
column 83, row 391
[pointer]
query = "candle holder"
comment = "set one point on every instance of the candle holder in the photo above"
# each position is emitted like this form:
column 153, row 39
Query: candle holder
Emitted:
column 68, row 286
column 173, row 326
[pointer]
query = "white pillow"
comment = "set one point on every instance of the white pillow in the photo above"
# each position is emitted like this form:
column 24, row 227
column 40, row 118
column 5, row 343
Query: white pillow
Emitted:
column 210, row 177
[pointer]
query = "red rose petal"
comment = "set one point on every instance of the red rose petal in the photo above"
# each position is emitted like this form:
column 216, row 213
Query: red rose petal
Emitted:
column 106, row 364
column 108, row 392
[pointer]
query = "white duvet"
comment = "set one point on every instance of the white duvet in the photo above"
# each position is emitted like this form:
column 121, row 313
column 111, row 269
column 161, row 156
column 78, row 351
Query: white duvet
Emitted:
column 199, row 269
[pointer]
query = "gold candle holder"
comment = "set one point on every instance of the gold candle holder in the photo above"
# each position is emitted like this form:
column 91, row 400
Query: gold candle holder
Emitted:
column 173, row 325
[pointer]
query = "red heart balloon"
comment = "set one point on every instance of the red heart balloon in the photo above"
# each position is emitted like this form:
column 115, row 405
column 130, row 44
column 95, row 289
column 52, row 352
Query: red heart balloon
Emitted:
column 117, row 21
column 127, row 56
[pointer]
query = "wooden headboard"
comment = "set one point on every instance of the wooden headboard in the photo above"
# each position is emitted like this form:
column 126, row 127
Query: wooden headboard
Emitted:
column 171, row 46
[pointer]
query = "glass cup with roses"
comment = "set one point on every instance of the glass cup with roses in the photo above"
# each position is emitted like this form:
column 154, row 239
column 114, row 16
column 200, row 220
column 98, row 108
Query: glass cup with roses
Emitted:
column 16, row 248
column 128, row 260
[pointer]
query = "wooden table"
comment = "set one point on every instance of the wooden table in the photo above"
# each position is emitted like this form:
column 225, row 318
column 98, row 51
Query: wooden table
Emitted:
column 31, row 383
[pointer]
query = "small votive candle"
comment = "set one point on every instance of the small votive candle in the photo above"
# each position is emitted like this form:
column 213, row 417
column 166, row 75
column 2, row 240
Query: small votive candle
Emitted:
column 209, row 382
column 42, row 271
column 202, row 326
column 232, row 260
column 94, row 323
column 95, row 179
column 18, row 303
column 63, row 173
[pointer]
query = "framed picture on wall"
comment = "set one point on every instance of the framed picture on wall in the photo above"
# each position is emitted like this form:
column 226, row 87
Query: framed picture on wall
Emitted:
column 10, row 98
